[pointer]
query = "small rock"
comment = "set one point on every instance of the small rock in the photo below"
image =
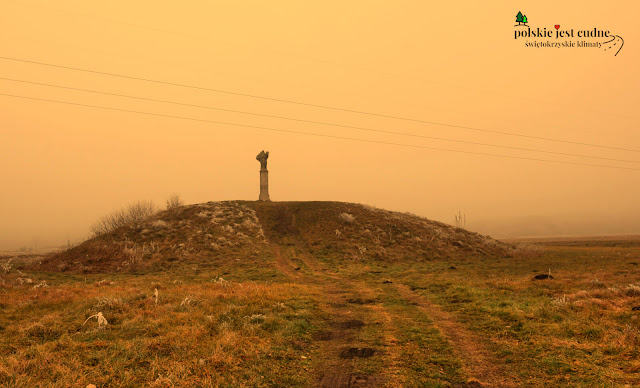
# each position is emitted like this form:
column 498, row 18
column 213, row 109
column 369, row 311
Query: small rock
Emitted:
column 387, row 282
column 453, row 267
column 90, row 386
column 543, row 277
column 458, row 244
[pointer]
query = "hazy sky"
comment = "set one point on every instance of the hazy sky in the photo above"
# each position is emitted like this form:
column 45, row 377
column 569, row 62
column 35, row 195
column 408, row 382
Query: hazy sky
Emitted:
column 62, row 167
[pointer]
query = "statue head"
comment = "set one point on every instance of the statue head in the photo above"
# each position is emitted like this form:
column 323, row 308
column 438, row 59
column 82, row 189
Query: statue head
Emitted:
column 262, row 157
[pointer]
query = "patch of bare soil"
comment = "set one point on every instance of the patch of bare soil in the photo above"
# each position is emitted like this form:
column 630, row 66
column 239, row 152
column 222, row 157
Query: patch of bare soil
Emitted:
column 339, row 346
column 480, row 364
column 283, row 263
column 357, row 353
column 350, row 324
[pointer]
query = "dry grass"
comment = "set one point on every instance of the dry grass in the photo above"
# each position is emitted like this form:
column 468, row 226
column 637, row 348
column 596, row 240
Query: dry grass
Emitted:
column 227, row 334
column 233, row 314
column 186, row 234
column 578, row 329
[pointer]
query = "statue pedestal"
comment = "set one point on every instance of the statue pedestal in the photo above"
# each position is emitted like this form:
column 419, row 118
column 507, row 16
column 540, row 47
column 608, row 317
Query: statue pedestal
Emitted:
column 264, row 186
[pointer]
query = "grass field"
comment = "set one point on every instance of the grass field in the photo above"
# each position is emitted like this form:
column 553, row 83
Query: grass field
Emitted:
column 313, row 309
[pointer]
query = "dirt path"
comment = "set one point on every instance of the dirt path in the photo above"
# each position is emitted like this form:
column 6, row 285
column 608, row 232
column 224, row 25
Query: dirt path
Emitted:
column 479, row 363
column 352, row 323
column 351, row 306
column 283, row 263
column 358, row 345
column 347, row 339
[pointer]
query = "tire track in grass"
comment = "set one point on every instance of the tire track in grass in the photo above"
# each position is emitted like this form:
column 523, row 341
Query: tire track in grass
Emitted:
column 358, row 345
column 351, row 332
column 283, row 263
column 479, row 362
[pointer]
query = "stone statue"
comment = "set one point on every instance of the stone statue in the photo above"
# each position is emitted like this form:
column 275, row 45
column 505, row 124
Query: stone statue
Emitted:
column 264, row 176
column 262, row 157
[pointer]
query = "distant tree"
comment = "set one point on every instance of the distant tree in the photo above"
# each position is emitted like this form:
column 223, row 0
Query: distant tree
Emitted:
column 519, row 18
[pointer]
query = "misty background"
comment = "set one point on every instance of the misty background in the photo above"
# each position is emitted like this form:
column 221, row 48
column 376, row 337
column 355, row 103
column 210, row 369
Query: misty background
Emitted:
column 63, row 166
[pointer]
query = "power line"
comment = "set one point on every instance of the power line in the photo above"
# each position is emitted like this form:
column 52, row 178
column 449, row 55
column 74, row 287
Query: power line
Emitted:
column 315, row 134
column 314, row 59
column 315, row 105
column 317, row 122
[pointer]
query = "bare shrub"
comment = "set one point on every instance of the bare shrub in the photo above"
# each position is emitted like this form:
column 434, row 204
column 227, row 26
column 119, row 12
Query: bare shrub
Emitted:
column 174, row 201
column 132, row 214
column 346, row 218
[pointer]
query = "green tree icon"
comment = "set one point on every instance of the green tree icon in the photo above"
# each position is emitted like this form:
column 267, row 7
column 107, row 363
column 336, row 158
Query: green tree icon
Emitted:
column 519, row 18
column 524, row 19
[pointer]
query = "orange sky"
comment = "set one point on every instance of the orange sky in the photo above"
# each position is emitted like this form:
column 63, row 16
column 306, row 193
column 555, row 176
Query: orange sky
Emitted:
column 62, row 167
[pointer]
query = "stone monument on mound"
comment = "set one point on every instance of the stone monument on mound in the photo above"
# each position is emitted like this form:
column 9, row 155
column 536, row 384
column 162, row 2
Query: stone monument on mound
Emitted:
column 264, row 176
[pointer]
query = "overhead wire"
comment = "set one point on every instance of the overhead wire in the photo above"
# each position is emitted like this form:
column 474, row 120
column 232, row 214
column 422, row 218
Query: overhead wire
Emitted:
column 316, row 122
column 381, row 115
column 314, row 134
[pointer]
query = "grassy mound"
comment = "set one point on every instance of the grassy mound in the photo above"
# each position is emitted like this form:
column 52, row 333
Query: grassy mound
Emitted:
column 204, row 235
column 338, row 230
column 239, row 233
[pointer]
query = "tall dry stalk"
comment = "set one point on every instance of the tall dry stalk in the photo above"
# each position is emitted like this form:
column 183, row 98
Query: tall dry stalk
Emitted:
column 460, row 220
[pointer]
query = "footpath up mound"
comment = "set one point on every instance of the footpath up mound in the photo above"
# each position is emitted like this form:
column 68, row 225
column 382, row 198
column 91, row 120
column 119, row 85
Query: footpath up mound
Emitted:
column 203, row 234
column 338, row 230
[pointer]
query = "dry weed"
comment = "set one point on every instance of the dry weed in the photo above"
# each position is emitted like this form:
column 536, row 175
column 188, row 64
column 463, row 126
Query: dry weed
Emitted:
column 347, row 218
column 102, row 321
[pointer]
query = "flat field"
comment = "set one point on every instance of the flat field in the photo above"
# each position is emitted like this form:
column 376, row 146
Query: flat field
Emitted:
column 308, row 319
